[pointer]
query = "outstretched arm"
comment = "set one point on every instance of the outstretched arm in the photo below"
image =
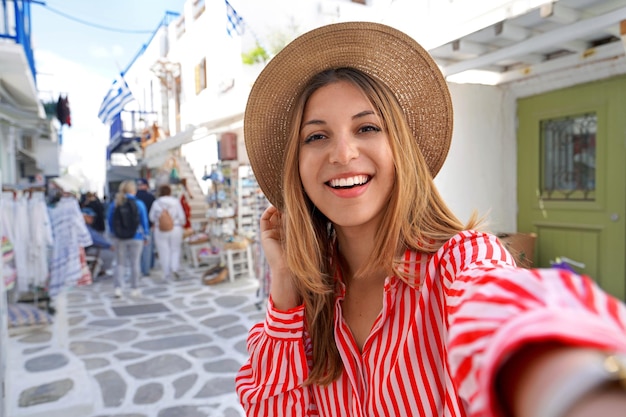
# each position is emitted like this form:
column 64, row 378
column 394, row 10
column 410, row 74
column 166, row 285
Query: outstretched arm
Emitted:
column 496, row 312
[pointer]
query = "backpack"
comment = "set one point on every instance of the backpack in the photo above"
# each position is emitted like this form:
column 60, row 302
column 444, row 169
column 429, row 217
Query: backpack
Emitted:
column 165, row 221
column 126, row 220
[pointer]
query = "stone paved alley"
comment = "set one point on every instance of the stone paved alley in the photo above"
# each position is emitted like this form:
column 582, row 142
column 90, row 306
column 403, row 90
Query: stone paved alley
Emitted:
column 172, row 352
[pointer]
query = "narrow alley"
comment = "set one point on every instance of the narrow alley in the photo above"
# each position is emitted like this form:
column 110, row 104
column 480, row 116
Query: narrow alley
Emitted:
column 172, row 352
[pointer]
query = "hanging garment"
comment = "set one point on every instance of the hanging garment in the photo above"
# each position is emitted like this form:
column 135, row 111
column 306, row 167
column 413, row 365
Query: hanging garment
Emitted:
column 8, row 264
column 70, row 234
column 9, row 271
column 63, row 111
column 40, row 240
column 187, row 210
column 21, row 242
column 7, row 213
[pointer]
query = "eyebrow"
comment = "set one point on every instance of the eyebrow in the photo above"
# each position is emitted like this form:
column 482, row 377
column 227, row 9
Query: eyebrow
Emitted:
column 356, row 116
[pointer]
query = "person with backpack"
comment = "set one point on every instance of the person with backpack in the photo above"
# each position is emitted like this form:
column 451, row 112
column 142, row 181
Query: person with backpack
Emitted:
column 168, row 217
column 127, row 218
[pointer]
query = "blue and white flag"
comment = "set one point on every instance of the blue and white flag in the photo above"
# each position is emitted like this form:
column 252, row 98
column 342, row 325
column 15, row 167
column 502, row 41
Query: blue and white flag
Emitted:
column 119, row 94
column 234, row 24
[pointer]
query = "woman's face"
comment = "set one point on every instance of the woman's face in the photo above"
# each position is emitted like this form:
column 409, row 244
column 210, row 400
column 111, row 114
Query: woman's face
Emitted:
column 346, row 164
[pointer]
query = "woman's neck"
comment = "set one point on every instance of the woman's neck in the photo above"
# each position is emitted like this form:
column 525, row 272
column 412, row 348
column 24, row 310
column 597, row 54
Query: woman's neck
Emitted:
column 356, row 247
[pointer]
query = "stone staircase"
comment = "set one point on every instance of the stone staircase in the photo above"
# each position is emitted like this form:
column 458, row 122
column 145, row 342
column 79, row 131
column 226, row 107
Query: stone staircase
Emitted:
column 198, row 203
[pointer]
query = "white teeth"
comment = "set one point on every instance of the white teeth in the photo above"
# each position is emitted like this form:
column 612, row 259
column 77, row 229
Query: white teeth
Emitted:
column 349, row 182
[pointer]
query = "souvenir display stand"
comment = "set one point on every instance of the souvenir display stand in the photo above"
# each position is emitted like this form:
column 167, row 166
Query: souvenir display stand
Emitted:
column 232, row 221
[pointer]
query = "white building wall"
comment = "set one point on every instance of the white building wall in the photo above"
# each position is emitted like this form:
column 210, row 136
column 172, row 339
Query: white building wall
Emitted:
column 480, row 171
column 206, row 37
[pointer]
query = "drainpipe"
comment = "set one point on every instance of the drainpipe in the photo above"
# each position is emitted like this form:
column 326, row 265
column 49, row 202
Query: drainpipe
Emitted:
column 11, row 170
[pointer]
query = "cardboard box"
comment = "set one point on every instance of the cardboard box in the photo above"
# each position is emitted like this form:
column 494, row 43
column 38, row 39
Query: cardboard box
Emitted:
column 521, row 246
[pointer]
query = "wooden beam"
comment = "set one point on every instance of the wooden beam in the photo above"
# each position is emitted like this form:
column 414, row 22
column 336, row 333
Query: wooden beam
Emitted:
column 558, row 36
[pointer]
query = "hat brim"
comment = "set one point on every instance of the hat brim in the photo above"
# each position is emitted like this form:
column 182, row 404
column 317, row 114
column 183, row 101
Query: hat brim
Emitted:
column 380, row 51
column 66, row 184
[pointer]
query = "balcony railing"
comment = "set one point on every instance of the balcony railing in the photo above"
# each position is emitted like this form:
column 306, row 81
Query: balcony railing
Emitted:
column 127, row 129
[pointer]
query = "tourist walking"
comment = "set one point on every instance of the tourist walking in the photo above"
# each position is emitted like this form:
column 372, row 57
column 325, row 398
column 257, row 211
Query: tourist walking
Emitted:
column 168, row 218
column 128, row 222
column 93, row 202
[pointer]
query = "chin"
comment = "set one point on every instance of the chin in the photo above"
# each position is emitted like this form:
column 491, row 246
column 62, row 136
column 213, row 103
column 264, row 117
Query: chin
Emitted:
column 351, row 219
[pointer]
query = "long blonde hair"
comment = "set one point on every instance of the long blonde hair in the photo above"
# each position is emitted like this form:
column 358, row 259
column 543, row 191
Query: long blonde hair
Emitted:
column 417, row 218
column 126, row 187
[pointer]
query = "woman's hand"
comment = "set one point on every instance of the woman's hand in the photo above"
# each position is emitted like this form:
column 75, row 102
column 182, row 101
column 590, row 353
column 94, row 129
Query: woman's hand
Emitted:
column 282, row 291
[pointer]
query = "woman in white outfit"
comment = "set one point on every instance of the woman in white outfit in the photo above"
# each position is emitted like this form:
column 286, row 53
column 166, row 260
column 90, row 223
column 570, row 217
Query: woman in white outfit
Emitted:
column 168, row 243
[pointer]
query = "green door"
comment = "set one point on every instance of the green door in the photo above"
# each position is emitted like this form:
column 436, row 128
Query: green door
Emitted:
column 572, row 178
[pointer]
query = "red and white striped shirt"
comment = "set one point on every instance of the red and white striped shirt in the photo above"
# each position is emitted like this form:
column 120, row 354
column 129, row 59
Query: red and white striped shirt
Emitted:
column 438, row 341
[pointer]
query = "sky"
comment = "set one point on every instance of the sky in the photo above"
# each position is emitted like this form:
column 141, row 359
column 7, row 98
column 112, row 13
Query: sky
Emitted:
column 80, row 46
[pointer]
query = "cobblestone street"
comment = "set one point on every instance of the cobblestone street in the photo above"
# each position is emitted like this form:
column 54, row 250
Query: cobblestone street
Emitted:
column 172, row 352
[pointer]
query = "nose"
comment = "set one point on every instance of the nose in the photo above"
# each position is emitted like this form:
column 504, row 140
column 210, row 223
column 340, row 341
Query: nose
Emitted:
column 344, row 149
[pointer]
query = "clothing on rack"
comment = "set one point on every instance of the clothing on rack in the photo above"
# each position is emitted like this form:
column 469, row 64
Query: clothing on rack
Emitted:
column 27, row 236
column 70, row 238
column 9, row 270
column 40, row 232
column 21, row 232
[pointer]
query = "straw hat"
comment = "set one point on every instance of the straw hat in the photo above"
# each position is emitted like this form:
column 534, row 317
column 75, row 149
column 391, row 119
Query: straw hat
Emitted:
column 378, row 50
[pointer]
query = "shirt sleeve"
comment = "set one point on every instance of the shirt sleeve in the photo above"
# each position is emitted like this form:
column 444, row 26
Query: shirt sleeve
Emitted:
column 155, row 212
column 271, row 381
column 495, row 308
column 143, row 217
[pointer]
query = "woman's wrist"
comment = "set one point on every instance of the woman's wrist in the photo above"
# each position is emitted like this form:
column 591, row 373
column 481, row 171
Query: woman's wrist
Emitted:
column 607, row 401
column 552, row 380
column 586, row 388
column 283, row 292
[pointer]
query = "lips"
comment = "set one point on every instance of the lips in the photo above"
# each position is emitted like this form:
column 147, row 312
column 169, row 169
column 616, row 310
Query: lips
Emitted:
column 348, row 182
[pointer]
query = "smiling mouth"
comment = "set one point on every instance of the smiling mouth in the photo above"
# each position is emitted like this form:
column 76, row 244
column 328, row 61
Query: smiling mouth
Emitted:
column 342, row 183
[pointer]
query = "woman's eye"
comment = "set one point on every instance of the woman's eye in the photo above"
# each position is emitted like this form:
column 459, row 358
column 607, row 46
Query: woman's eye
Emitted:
column 313, row 137
column 369, row 128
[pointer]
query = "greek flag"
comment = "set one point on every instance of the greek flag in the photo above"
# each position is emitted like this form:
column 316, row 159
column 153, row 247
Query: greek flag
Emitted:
column 119, row 94
column 234, row 24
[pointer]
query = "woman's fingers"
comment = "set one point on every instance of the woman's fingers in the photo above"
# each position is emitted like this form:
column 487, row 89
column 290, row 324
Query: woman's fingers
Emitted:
column 271, row 221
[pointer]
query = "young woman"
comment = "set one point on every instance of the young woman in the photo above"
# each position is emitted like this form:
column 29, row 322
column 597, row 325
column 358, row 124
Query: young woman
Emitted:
column 128, row 249
column 168, row 242
column 382, row 303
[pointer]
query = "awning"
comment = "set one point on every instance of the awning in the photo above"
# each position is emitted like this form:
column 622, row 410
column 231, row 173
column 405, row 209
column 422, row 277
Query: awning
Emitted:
column 157, row 153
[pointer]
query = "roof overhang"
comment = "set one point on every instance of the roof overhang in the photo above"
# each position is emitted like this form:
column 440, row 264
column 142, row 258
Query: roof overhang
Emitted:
column 157, row 153
column 552, row 36
column 26, row 155
column 17, row 85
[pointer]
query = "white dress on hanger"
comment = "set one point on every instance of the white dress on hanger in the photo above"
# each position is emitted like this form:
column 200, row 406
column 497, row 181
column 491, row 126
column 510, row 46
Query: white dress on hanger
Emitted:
column 21, row 242
column 40, row 239
column 70, row 232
